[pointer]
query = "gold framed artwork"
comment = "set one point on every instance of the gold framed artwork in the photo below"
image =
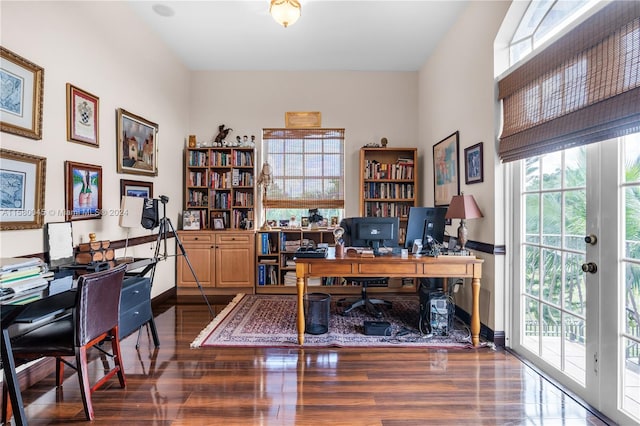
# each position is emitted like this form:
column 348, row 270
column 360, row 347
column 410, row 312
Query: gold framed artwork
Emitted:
column 82, row 116
column 83, row 184
column 446, row 171
column 302, row 119
column 22, row 179
column 22, row 95
column 137, row 144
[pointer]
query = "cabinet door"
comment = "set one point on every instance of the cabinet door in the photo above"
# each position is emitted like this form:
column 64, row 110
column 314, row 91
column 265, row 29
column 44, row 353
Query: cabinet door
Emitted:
column 235, row 262
column 202, row 259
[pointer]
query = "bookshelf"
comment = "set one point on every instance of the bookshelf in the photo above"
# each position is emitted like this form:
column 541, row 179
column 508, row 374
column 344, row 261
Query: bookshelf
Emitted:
column 220, row 183
column 388, row 184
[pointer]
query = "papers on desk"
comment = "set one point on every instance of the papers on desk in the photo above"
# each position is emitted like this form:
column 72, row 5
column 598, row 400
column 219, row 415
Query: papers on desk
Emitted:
column 23, row 275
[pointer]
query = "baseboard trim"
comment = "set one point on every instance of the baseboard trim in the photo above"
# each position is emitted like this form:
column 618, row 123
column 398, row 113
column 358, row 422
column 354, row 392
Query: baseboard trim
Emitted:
column 497, row 337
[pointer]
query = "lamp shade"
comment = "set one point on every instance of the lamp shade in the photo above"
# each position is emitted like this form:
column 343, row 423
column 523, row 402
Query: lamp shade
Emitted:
column 285, row 12
column 463, row 207
column 131, row 211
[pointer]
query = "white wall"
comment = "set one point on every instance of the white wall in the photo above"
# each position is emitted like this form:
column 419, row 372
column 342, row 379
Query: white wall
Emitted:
column 103, row 48
column 457, row 92
column 369, row 105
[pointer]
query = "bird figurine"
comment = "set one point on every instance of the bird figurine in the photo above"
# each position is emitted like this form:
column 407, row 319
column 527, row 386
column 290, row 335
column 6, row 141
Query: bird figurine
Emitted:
column 222, row 134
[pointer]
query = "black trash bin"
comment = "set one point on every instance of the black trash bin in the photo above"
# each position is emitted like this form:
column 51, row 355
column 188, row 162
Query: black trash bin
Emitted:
column 316, row 312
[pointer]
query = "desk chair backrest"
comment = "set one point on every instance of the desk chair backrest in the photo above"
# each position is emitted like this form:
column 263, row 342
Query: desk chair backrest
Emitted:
column 98, row 303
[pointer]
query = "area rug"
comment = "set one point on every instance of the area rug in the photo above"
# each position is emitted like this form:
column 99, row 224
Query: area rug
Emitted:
column 270, row 321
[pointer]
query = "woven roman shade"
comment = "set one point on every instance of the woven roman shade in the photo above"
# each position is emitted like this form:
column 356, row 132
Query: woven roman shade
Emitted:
column 307, row 167
column 583, row 88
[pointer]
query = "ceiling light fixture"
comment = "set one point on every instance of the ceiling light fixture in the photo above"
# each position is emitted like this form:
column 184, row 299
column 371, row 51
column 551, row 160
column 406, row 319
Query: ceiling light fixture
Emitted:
column 285, row 12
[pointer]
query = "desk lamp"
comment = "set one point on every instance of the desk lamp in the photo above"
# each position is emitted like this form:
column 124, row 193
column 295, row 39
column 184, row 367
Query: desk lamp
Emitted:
column 265, row 179
column 130, row 216
column 463, row 207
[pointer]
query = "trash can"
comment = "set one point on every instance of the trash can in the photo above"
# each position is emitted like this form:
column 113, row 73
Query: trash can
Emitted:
column 316, row 312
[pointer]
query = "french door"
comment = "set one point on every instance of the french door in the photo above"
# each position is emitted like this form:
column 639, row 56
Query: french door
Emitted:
column 577, row 269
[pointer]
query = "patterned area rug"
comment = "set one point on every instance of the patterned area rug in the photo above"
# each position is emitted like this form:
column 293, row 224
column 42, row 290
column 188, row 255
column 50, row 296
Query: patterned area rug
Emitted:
column 270, row 321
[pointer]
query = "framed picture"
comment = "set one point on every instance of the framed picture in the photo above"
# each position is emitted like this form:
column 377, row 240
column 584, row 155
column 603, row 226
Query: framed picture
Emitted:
column 446, row 179
column 136, row 188
column 137, row 144
column 22, row 190
column 218, row 223
column 83, row 184
column 22, row 92
column 191, row 220
column 82, row 116
column 304, row 221
column 474, row 169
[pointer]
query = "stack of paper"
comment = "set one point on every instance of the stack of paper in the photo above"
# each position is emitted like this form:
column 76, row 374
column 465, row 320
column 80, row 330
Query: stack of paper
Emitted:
column 23, row 274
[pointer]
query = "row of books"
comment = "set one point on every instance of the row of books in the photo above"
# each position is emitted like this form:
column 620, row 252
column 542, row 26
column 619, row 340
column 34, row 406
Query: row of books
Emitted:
column 389, row 190
column 384, row 209
column 403, row 169
column 24, row 275
column 267, row 274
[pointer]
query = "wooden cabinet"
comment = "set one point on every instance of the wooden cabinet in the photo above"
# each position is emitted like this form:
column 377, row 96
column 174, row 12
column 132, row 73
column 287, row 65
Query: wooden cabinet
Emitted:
column 220, row 183
column 223, row 261
column 388, row 184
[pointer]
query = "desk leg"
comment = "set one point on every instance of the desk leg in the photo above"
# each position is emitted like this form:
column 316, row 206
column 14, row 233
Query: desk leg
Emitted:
column 9, row 368
column 475, row 312
column 300, row 286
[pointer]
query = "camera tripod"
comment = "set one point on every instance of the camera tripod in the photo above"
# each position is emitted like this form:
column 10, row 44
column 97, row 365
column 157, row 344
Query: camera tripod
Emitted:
column 164, row 226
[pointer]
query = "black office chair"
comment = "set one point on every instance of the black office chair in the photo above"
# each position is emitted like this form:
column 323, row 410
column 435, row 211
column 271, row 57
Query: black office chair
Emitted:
column 94, row 320
column 365, row 301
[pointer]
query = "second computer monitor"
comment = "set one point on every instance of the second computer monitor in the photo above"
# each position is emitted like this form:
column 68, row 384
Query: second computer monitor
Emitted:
column 425, row 222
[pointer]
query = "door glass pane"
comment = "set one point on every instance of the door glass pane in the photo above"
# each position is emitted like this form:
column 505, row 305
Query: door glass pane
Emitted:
column 630, row 339
column 551, row 219
column 575, row 213
column 574, row 284
column 551, row 332
column 574, row 340
column 532, row 174
column 531, row 335
column 552, row 170
column 552, row 276
column 532, row 205
column 532, row 271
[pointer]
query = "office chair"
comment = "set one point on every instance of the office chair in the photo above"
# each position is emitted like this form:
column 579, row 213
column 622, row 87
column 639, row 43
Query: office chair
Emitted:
column 365, row 301
column 94, row 320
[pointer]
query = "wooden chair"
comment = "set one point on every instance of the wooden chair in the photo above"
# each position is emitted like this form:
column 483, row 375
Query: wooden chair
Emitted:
column 94, row 320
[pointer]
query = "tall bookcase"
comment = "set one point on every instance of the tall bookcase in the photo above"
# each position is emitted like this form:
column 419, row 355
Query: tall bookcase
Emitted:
column 220, row 183
column 388, row 184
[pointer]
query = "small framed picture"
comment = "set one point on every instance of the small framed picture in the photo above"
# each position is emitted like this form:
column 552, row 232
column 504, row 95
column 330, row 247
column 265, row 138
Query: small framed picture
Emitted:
column 284, row 223
column 218, row 223
column 83, row 184
column 136, row 188
column 191, row 220
column 82, row 116
column 304, row 221
column 474, row 172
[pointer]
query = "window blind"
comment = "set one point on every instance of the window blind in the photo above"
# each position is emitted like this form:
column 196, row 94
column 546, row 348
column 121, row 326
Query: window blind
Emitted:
column 583, row 88
column 307, row 167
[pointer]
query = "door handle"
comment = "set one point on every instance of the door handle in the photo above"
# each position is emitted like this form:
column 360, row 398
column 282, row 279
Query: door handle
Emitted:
column 589, row 267
column 591, row 239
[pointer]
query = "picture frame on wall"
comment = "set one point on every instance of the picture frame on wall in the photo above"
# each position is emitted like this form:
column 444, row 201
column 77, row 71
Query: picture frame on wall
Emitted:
column 446, row 171
column 474, row 164
column 22, row 95
column 136, row 188
column 22, row 195
column 137, row 144
column 82, row 116
column 83, row 190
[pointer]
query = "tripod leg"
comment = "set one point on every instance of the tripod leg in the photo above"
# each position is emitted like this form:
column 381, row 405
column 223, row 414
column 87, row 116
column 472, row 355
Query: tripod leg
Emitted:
column 193, row 272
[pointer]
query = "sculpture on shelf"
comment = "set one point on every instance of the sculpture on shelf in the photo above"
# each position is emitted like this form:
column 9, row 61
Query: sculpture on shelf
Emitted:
column 222, row 135
column 314, row 218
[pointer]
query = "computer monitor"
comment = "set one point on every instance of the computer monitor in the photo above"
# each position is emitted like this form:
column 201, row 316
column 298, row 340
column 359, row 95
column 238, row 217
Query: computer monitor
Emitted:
column 424, row 223
column 373, row 232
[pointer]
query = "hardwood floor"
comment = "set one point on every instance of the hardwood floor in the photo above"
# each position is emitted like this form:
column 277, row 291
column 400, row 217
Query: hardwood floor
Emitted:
column 177, row 385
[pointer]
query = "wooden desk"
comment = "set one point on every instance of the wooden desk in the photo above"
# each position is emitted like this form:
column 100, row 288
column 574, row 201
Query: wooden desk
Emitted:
column 391, row 266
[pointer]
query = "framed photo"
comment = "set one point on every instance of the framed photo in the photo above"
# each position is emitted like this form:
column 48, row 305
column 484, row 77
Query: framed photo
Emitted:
column 474, row 168
column 83, row 184
column 218, row 223
column 137, row 144
column 136, row 188
column 82, row 116
column 22, row 92
column 304, row 221
column 22, row 190
column 191, row 220
column 446, row 179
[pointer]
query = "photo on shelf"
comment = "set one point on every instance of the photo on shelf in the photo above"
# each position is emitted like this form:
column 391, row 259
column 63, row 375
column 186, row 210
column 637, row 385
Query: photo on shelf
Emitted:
column 191, row 220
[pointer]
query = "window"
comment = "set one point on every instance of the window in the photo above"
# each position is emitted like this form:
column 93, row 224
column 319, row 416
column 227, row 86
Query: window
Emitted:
column 308, row 172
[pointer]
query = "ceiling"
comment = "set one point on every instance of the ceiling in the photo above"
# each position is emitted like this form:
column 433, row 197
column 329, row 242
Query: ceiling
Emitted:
column 336, row 35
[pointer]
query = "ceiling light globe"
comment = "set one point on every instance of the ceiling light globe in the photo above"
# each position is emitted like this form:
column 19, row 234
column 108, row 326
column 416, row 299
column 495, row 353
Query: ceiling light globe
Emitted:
column 285, row 12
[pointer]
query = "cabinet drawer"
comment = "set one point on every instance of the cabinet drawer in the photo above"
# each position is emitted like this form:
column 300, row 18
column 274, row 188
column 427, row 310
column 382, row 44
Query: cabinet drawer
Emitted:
column 133, row 318
column 328, row 269
column 408, row 269
column 135, row 290
column 196, row 236
column 226, row 238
